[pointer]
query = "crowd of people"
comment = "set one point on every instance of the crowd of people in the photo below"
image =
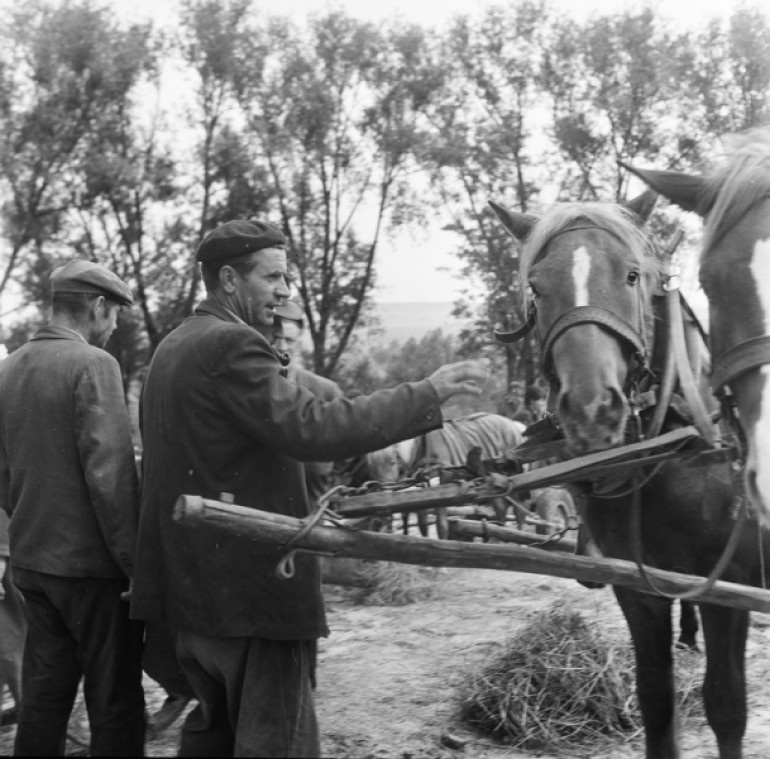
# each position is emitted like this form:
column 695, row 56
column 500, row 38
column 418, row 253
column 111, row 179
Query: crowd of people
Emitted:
column 100, row 573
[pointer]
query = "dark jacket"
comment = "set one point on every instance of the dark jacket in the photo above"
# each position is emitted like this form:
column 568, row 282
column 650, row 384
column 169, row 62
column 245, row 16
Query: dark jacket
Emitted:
column 219, row 416
column 317, row 473
column 67, row 473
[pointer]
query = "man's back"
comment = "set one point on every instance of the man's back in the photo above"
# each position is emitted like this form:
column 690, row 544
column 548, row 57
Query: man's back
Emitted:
column 62, row 472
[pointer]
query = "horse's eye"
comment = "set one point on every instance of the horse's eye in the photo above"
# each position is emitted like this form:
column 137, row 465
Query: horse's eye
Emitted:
column 532, row 290
column 633, row 277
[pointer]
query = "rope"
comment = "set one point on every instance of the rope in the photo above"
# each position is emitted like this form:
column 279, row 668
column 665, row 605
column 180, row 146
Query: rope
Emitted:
column 285, row 568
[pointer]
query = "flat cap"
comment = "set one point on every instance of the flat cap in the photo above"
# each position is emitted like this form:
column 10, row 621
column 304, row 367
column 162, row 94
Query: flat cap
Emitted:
column 82, row 276
column 290, row 310
column 237, row 238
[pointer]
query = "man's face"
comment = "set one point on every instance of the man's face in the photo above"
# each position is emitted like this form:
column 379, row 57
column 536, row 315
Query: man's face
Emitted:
column 286, row 336
column 263, row 288
column 104, row 319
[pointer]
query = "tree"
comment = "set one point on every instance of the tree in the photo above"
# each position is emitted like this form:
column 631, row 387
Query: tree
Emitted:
column 334, row 110
column 615, row 86
column 65, row 71
column 484, row 148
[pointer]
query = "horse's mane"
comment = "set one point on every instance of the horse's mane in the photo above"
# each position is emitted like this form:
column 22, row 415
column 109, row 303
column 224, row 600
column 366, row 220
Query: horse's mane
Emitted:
column 741, row 181
column 614, row 218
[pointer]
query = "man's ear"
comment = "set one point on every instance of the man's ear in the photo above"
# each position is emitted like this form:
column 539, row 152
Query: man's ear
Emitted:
column 227, row 279
column 98, row 307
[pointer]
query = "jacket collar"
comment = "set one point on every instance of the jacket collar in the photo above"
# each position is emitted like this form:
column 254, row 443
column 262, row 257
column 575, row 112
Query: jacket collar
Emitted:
column 210, row 307
column 58, row 332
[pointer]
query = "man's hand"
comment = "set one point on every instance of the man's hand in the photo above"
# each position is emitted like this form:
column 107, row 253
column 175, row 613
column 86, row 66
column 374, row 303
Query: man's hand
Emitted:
column 464, row 377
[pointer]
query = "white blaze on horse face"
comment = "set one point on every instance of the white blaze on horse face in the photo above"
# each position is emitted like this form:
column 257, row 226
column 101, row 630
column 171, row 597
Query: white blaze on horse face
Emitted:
column 760, row 270
column 581, row 268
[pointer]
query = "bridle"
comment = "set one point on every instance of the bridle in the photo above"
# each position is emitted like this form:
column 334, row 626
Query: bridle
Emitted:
column 746, row 356
column 635, row 337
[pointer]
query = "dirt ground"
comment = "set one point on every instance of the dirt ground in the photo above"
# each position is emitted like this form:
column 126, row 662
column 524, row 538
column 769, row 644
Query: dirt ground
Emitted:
column 388, row 676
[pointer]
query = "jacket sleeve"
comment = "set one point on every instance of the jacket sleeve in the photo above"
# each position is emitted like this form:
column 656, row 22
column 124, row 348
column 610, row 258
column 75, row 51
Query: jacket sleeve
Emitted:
column 106, row 451
column 269, row 407
column 5, row 481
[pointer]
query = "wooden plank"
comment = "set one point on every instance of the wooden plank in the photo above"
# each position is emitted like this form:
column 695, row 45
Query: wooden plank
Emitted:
column 580, row 468
column 277, row 529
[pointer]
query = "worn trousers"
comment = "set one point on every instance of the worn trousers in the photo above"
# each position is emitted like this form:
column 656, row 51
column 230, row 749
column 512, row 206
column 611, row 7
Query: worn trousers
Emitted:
column 79, row 627
column 254, row 697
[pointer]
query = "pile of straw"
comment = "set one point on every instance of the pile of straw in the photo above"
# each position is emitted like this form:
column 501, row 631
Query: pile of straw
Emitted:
column 392, row 584
column 556, row 685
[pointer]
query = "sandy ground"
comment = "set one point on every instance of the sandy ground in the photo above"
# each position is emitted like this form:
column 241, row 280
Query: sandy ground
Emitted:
column 388, row 676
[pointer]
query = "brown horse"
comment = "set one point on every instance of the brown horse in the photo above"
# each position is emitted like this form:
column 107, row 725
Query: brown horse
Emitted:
column 735, row 275
column 592, row 275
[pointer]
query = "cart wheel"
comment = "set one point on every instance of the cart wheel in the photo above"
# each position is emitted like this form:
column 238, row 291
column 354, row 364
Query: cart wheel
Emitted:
column 554, row 506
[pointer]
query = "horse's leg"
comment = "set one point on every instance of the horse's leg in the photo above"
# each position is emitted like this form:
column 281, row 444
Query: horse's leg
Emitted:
column 724, row 686
column 688, row 626
column 649, row 620
column 422, row 522
column 442, row 523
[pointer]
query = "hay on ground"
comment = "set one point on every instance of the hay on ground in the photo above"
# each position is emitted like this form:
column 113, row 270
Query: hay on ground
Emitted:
column 392, row 584
column 557, row 684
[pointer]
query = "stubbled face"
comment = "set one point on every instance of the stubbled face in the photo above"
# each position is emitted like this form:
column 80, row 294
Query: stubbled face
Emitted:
column 590, row 362
column 256, row 295
column 104, row 320
column 735, row 276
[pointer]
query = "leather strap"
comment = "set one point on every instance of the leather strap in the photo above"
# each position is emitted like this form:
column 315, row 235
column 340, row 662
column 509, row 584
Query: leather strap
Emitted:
column 739, row 359
column 690, row 390
column 591, row 315
column 516, row 334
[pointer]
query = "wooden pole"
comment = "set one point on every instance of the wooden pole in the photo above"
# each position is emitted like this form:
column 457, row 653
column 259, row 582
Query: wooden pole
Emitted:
column 471, row 528
column 278, row 529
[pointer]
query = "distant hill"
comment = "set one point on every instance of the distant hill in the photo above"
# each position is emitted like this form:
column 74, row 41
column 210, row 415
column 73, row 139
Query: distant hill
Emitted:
column 400, row 321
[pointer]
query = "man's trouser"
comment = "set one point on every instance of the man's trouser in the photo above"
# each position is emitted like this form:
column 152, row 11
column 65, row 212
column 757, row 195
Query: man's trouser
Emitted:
column 254, row 697
column 79, row 627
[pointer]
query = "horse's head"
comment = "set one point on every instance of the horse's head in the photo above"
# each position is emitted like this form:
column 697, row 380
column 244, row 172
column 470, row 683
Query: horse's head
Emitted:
column 735, row 275
column 589, row 272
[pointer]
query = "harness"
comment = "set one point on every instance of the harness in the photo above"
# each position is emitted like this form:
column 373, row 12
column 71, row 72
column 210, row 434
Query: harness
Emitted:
column 676, row 366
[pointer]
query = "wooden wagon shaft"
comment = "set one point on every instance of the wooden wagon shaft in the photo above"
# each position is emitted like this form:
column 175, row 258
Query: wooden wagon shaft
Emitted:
column 276, row 529
column 580, row 468
column 467, row 528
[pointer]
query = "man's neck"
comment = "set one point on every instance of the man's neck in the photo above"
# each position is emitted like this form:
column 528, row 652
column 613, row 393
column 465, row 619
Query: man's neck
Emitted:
column 73, row 326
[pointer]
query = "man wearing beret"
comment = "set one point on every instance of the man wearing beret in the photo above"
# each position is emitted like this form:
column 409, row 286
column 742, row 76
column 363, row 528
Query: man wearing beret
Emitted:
column 221, row 420
column 285, row 337
column 68, row 482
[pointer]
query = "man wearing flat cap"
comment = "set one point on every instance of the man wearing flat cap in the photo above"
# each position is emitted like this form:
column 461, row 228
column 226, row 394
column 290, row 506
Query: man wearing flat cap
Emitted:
column 68, row 482
column 221, row 420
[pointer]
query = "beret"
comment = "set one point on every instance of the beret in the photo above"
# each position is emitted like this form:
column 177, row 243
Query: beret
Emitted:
column 237, row 238
column 82, row 276
column 290, row 310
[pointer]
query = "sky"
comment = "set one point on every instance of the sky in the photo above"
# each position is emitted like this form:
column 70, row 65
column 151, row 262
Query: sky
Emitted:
column 420, row 265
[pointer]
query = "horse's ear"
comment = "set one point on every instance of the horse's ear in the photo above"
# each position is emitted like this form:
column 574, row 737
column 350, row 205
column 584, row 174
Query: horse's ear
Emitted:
column 643, row 205
column 517, row 223
column 684, row 190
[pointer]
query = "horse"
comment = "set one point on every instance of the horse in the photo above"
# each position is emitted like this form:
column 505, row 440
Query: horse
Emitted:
column 488, row 436
column 594, row 279
column 735, row 275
